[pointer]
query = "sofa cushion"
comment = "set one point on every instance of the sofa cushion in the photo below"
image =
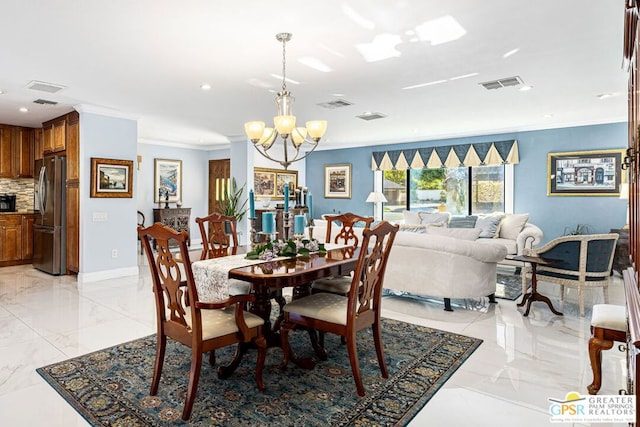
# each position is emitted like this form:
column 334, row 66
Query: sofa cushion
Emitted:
column 510, row 245
column 489, row 224
column 463, row 221
column 434, row 218
column 413, row 228
column 411, row 218
column 511, row 225
column 458, row 233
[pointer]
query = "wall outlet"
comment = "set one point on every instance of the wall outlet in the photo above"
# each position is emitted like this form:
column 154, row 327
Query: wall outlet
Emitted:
column 114, row 253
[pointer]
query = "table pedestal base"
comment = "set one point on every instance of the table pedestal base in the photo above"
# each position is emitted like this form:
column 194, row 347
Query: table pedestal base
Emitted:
column 530, row 297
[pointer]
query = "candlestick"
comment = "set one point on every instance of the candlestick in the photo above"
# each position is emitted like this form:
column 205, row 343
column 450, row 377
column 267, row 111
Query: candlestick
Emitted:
column 252, row 204
column 286, row 197
column 268, row 222
column 298, row 224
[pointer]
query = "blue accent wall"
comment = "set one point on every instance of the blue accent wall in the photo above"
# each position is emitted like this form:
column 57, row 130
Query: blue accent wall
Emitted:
column 551, row 213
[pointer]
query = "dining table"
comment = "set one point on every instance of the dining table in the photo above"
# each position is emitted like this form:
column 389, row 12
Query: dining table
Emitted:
column 214, row 277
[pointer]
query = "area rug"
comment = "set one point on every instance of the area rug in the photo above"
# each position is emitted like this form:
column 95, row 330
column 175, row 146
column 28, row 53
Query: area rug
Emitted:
column 111, row 386
column 509, row 286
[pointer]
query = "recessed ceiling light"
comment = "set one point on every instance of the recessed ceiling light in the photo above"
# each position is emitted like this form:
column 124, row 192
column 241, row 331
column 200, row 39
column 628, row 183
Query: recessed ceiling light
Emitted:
column 205, row 86
column 23, row 109
column 525, row 88
column 1, row 92
column 337, row 94
column 511, row 52
column 606, row 95
column 424, row 84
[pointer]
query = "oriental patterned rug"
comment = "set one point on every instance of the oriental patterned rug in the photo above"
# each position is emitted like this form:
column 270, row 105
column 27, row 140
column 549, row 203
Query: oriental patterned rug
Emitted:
column 111, row 386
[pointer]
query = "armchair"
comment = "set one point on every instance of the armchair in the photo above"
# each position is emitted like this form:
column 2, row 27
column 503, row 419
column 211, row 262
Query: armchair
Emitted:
column 584, row 261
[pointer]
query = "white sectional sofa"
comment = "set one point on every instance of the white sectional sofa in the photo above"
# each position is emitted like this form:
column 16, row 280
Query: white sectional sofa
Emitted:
column 439, row 262
column 444, row 256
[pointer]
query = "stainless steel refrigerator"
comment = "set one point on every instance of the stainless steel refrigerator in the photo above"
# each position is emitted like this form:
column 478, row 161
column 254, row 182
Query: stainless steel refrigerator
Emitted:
column 49, row 236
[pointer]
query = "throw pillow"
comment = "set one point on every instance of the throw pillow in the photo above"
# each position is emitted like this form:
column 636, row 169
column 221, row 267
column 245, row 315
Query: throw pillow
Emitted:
column 413, row 228
column 463, row 221
column 458, row 233
column 489, row 225
column 411, row 218
column 439, row 218
column 512, row 225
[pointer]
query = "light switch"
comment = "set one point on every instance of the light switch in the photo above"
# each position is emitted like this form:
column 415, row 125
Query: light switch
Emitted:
column 100, row 216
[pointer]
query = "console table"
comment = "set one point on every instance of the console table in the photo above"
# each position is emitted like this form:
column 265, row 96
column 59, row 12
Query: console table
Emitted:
column 176, row 218
column 621, row 255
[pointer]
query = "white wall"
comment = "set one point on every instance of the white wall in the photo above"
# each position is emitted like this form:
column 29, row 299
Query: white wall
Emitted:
column 112, row 138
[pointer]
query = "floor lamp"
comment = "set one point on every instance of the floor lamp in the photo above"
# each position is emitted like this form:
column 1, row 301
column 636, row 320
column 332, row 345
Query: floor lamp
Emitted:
column 376, row 197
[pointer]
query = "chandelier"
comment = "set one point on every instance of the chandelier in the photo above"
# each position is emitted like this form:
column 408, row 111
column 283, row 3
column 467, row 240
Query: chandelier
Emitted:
column 284, row 125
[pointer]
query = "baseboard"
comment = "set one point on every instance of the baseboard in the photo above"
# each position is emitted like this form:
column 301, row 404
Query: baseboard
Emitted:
column 107, row 274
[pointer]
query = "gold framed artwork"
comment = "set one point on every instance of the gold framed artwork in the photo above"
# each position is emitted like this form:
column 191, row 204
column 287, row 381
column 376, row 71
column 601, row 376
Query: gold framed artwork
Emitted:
column 337, row 181
column 585, row 173
column 270, row 182
column 167, row 179
column 111, row 178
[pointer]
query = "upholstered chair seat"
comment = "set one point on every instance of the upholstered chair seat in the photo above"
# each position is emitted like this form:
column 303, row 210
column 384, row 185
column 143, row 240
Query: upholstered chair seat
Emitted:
column 321, row 306
column 608, row 324
column 217, row 323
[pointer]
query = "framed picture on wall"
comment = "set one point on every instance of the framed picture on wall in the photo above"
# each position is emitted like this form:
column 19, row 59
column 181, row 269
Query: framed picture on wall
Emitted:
column 167, row 178
column 337, row 181
column 585, row 173
column 111, row 178
column 286, row 177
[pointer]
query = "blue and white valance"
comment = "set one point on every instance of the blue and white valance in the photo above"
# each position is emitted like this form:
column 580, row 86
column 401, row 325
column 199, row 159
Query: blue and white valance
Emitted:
column 451, row 156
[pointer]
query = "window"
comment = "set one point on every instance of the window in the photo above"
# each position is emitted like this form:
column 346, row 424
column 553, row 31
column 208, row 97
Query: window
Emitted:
column 460, row 191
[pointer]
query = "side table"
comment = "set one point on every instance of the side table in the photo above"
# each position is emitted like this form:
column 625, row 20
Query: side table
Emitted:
column 621, row 255
column 532, row 296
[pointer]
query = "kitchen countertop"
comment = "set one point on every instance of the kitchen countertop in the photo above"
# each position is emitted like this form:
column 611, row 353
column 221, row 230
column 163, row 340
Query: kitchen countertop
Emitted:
column 21, row 212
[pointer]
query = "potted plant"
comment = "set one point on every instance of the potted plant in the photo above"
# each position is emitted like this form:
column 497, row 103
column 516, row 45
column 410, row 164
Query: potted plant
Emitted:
column 232, row 203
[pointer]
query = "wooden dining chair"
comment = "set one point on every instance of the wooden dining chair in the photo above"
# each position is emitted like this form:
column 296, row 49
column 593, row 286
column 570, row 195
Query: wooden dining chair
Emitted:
column 201, row 326
column 346, row 315
column 341, row 284
column 216, row 238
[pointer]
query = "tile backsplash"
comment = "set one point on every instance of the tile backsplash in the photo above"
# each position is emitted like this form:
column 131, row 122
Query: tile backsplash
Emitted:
column 23, row 189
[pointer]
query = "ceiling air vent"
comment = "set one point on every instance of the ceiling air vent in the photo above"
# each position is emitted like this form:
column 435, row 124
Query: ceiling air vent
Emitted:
column 506, row 82
column 371, row 116
column 44, row 102
column 338, row 103
column 45, row 87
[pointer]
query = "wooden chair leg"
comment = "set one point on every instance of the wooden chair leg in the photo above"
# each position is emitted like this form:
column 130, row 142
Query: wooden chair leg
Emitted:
column 355, row 366
column 261, row 343
column 601, row 339
column 377, row 339
column 161, row 344
column 194, row 377
column 212, row 357
column 285, row 327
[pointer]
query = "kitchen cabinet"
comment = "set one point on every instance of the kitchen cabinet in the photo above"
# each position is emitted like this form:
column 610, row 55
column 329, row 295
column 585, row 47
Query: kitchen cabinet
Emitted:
column 16, row 152
column 59, row 135
column 47, row 138
column 38, row 144
column 16, row 239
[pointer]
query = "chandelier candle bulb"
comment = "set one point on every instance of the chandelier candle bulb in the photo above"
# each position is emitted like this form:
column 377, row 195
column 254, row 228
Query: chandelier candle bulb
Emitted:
column 268, row 222
column 252, row 204
column 286, row 197
column 298, row 224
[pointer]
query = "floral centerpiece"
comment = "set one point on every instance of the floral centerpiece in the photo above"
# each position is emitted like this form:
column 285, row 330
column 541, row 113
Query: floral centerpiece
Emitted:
column 288, row 248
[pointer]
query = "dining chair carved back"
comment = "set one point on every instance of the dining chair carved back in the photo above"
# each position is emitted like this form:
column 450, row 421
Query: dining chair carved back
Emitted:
column 346, row 315
column 216, row 238
column 201, row 326
column 341, row 284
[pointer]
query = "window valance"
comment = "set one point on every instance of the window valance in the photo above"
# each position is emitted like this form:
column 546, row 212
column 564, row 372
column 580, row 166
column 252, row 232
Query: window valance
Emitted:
column 477, row 154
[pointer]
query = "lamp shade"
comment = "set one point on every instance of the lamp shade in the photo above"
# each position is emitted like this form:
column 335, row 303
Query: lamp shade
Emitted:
column 375, row 197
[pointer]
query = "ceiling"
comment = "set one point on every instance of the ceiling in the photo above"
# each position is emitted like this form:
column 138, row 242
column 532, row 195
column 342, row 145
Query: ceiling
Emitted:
column 147, row 60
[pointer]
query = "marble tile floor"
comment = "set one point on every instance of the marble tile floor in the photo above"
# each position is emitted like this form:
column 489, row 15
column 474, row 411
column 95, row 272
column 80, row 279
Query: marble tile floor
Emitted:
column 522, row 361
